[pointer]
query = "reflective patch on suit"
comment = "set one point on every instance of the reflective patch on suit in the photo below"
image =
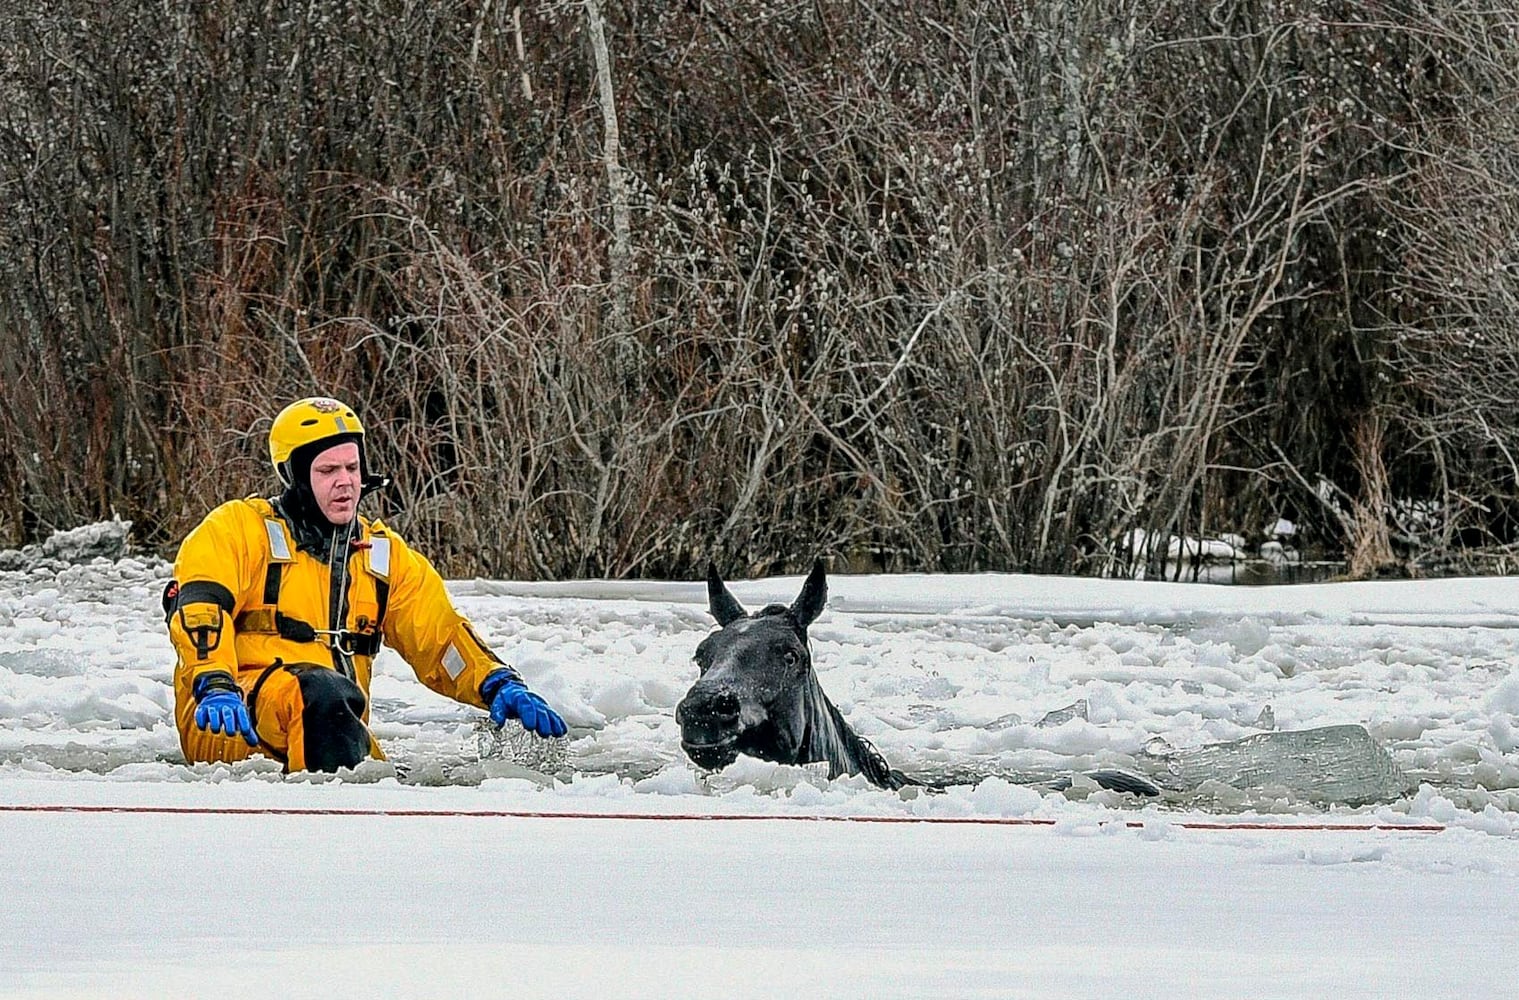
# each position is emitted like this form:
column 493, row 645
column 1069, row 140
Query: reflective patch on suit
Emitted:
column 379, row 556
column 453, row 662
column 279, row 545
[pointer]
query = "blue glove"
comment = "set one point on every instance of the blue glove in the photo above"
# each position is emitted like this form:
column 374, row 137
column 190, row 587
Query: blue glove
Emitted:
column 509, row 698
column 221, row 708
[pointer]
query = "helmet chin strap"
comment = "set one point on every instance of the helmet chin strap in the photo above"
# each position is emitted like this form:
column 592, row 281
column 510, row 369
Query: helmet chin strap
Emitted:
column 373, row 484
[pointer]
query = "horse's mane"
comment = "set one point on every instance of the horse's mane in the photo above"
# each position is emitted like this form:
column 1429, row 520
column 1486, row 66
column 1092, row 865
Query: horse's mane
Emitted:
column 830, row 738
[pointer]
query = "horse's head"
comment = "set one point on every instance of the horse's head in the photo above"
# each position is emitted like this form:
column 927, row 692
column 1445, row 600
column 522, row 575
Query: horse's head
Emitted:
column 756, row 672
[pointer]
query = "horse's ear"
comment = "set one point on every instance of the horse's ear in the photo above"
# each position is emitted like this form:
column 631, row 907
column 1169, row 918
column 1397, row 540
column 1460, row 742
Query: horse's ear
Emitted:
column 723, row 605
column 809, row 604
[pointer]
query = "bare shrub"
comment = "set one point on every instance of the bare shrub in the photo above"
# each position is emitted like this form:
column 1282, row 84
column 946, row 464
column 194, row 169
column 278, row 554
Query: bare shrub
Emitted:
column 626, row 287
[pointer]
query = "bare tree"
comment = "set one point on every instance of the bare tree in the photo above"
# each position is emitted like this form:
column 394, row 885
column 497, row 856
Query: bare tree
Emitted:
column 956, row 285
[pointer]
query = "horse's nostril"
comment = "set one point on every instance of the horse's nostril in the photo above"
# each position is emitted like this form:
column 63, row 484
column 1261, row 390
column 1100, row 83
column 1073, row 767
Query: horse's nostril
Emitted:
column 725, row 704
column 708, row 707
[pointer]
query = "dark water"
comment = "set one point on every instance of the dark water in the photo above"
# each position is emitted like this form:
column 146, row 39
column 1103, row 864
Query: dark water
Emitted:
column 1258, row 572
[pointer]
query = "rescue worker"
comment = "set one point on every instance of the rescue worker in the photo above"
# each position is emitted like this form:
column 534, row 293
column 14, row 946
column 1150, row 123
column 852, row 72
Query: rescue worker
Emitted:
column 277, row 608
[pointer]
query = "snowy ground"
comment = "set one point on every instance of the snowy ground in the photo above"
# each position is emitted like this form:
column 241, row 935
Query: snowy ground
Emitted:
column 1098, row 894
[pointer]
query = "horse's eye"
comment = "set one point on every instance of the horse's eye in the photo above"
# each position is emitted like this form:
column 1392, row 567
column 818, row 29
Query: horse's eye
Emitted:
column 790, row 657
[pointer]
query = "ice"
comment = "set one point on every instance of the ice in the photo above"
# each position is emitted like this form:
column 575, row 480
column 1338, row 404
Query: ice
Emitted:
column 1060, row 716
column 1331, row 764
column 1032, row 681
column 1009, row 684
column 1504, row 734
column 762, row 776
column 999, row 797
column 677, row 779
column 40, row 663
column 622, row 697
column 1504, row 698
column 366, row 772
column 102, row 540
column 79, row 757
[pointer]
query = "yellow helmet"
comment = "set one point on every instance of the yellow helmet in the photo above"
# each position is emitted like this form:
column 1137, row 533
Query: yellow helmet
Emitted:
column 311, row 421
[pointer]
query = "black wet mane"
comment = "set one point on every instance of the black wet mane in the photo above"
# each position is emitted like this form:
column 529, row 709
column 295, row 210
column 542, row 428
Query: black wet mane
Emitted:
column 830, row 738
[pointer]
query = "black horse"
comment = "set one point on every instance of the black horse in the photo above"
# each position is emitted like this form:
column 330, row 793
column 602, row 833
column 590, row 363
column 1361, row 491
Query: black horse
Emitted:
column 757, row 694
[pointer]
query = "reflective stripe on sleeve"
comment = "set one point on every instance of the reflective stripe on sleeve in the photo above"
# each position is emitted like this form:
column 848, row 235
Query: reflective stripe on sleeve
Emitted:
column 453, row 662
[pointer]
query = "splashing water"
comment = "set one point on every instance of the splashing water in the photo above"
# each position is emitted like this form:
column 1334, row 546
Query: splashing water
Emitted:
column 515, row 745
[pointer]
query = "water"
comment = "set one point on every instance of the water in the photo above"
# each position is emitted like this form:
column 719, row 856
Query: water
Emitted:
column 1257, row 572
column 1274, row 771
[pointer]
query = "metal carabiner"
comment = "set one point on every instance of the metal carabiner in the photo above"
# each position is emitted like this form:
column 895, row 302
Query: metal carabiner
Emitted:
column 338, row 639
column 342, row 656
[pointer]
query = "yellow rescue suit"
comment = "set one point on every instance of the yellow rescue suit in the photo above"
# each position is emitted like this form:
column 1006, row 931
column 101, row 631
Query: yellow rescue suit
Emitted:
column 245, row 601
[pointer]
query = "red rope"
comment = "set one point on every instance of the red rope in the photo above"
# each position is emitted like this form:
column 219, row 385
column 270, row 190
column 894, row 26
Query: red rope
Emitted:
column 688, row 817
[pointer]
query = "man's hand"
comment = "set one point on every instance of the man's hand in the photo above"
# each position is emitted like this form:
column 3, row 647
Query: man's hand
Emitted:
column 509, row 698
column 221, row 708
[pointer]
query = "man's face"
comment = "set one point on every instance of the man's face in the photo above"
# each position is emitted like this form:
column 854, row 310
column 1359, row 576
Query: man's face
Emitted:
column 335, row 482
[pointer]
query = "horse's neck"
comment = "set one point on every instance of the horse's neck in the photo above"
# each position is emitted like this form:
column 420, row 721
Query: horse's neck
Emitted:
column 829, row 738
column 823, row 738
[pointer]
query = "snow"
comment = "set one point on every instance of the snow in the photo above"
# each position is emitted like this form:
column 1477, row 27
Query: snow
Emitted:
column 607, row 872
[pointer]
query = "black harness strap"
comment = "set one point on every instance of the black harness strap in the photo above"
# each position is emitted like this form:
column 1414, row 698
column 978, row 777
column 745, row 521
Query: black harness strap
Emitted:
column 272, row 582
column 296, row 630
column 382, row 595
column 293, row 629
column 258, row 685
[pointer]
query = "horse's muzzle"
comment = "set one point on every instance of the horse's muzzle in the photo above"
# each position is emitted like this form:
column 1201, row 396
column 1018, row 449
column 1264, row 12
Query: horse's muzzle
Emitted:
column 709, row 726
column 711, row 756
